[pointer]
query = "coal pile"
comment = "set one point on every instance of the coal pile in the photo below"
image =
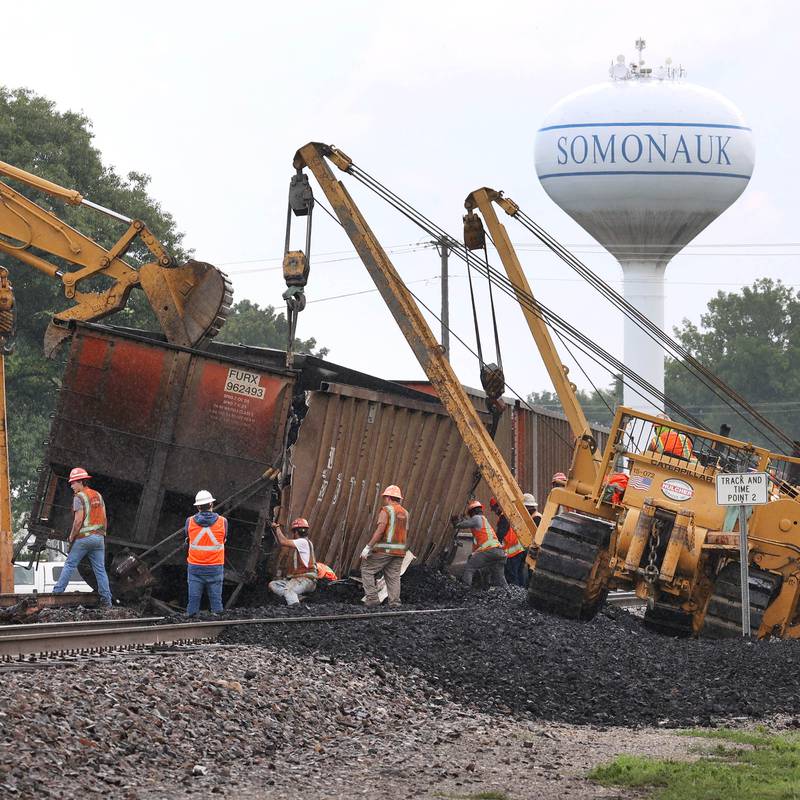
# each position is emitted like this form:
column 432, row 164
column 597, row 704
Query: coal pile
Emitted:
column 502, row 655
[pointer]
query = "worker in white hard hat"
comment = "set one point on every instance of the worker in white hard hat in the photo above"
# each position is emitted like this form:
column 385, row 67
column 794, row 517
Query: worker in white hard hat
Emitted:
column 532, row 507
column 87, row 538
column 302, row 575
column 386, row 549
column 206, row 532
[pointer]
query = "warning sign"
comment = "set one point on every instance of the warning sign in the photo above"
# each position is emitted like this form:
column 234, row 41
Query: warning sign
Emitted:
column 743, row 489
column 247, row 384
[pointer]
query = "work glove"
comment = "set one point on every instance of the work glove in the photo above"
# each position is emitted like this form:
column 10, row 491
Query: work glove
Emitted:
column 366, row 551
column 454, row 519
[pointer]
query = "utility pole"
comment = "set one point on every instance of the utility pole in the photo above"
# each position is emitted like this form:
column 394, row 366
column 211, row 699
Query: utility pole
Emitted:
column 444, row 253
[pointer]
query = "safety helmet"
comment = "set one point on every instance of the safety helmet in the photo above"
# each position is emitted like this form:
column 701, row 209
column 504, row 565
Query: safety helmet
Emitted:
column 559, row 477
column 528, row 500
column 474, row 504
column 662, row 415
column 78, row 474
column 392, row 491
column 203, row 498
column 493, row 503
column 300, row 522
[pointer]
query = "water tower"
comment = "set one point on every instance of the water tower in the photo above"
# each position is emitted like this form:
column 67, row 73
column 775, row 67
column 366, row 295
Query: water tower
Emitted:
column 644, row 162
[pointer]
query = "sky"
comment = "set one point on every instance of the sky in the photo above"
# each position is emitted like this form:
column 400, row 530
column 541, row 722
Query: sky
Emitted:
column 433, row 99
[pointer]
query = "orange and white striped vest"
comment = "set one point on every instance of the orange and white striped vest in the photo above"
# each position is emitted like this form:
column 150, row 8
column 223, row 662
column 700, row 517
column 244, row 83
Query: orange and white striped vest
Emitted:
column 511, row 544
column 207, row 543
column 484, row 538
column 394, row 537
column 94, row 513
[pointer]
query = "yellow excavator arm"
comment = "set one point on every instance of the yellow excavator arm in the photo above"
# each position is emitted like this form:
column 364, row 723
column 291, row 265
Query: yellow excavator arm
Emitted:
column 429, row 353
column 583, row 471
column 190, row 301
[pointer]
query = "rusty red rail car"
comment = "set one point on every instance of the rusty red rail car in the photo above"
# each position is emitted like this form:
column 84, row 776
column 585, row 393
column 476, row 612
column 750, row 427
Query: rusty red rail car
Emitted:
column 154, row 422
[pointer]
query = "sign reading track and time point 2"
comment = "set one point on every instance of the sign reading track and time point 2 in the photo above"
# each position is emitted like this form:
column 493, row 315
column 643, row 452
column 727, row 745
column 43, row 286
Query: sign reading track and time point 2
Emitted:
column 743, row 489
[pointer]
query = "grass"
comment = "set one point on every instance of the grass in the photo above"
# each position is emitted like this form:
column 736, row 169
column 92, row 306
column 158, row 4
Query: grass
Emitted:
column 744, row 765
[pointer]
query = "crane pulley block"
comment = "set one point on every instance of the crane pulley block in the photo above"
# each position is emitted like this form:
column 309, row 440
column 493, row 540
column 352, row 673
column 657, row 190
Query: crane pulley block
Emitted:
column 474, row 233
column 295, row 268
column 301, row 196
column 493, row 381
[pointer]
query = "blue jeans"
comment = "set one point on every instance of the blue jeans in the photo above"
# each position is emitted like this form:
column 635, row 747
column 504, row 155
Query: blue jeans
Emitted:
column 201, row 576
column 94, row 548
column 515, row 570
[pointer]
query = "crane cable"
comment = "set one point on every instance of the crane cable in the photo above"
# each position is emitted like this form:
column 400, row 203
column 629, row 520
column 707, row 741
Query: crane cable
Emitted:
column 551, row 318
column 689, row 362
column 579, row 340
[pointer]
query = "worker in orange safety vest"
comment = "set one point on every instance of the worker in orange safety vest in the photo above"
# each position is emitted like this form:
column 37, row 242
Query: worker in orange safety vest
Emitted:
column 206, row 532
column 87, row 536
column 487, row 552
column 301, row 577
column 667, row 441
column 386, row 549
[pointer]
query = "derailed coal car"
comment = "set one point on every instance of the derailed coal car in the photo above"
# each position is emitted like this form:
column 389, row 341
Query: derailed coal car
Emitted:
column 153, row 423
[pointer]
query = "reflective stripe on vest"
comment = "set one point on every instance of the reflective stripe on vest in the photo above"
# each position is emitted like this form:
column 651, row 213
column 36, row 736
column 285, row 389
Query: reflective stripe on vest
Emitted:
column 94, row 512
column 484, row 538
column 207, row 542
column 394, row 537
column 511, row 544
column 301, row 570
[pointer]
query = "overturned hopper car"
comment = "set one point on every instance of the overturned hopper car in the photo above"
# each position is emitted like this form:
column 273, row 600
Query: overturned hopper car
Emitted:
column 153, row 423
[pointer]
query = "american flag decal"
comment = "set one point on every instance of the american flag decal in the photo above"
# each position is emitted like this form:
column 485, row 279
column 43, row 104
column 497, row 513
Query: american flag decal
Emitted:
column 640, row 482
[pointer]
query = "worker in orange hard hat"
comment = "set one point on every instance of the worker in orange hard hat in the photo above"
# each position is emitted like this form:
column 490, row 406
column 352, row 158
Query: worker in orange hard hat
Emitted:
column 487, row 552
column 87, row 536
column 301, row 578
column 559, row 479
column 386, row 549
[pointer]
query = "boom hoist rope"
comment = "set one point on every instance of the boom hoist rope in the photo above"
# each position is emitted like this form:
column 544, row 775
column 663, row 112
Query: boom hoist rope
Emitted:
column 674, row 348
column 580, row 342
column 718, row 387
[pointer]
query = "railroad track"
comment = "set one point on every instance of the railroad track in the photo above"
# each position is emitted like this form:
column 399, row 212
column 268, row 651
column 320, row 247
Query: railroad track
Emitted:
column 102, row 637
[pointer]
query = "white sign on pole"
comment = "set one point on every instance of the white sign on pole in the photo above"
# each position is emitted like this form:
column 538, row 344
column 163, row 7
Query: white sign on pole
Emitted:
column 743, row 489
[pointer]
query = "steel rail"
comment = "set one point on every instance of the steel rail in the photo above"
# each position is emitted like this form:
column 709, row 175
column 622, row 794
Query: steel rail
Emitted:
column 630, row 599
column 73, row 625
column 130, row 636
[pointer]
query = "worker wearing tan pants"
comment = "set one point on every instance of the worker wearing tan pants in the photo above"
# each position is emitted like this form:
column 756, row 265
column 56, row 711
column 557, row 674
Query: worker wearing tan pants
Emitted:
column 386, row 549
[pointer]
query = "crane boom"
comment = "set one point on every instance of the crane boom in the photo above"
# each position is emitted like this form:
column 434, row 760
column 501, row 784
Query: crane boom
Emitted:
column 585, row 465
column 429, row 353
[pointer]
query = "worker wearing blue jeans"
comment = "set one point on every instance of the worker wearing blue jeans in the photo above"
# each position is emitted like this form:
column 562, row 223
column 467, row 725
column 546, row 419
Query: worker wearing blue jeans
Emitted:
column 94, row 548
column 87, row 536
column 204, row 578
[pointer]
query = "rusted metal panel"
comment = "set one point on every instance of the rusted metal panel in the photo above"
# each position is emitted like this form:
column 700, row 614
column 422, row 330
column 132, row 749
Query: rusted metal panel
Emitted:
column 154, row 423
column 354, row 442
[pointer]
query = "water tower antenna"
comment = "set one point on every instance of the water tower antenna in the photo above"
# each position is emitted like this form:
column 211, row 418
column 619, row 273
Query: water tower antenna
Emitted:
column 640, row 45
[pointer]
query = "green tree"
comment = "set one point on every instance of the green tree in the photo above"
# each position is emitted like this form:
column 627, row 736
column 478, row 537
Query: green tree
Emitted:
column 253, row 325
column 598, row 405
column 750, row 339
column 56, row 145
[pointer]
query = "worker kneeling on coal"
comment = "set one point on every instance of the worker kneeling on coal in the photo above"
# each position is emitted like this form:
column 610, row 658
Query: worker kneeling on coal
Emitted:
column 487, row 552
column 302, row 575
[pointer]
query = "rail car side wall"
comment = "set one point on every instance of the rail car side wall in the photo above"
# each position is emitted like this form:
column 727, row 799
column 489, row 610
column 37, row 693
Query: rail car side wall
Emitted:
column 155, row 423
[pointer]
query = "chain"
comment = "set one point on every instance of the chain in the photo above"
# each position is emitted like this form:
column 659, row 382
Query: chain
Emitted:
column 651, row 570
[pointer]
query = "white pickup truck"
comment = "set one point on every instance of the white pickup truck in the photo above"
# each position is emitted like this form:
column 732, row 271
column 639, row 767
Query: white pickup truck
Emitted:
column 44, row 578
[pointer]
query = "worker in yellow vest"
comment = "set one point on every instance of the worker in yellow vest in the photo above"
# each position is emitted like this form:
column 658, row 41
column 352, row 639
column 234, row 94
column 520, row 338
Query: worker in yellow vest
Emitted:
column 206, row 532
column 301, row 578
column 386, row 549
column 487, row 552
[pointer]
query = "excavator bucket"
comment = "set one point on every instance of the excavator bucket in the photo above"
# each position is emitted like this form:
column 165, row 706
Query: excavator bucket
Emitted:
column 191, row 302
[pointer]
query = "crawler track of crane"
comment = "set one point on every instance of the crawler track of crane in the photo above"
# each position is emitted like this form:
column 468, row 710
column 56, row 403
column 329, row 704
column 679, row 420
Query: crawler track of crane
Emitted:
column 27, row 644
